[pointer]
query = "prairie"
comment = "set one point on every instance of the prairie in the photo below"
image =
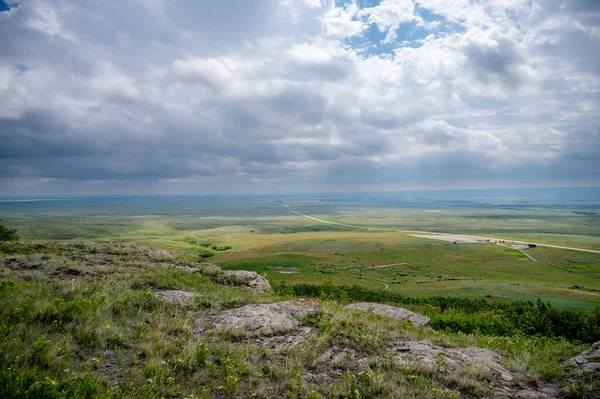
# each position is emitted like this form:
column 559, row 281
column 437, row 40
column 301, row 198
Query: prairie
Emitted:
column 260, row 234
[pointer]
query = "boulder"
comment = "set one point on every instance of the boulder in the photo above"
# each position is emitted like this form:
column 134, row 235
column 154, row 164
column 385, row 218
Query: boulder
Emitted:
column 588, row 361
column 391, row 312
column 175, row 296
column 456, row 360
column 272, row 325
column 252, row 280
column 481, row 363
column 267, row 319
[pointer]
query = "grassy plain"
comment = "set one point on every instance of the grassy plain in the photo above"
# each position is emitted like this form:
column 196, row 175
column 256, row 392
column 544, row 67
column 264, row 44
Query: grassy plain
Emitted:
column 82, row 320
column 264, row 236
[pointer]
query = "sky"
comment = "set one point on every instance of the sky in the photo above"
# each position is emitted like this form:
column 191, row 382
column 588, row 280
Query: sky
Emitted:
column 263, row 96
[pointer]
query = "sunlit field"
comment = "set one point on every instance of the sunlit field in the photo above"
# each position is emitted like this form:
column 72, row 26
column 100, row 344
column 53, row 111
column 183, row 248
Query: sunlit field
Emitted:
column 260, row 234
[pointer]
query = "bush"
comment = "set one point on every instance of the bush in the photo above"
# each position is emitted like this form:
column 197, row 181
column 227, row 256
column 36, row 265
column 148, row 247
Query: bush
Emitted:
column 205, row 254
column 8, row 234
column 470, row 315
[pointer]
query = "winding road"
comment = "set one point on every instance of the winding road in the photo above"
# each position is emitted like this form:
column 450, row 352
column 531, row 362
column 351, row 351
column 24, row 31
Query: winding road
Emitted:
column 433, row 232
column 381, row 282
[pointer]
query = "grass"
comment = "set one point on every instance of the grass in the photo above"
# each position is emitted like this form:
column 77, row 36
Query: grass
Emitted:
column 421, row 267
column 80, row 319
column 260, row 234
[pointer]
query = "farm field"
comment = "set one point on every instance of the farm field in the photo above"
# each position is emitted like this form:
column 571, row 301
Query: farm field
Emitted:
column 260, row 234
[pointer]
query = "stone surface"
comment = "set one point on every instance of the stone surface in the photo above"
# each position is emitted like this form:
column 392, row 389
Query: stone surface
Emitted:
column 267, row 319
column 175, row 296
column 481, row 362
column 588, row 361
column 152, row 251
column 273, row 325
column 456, row 360
column 252, row 280
column 391, row 312
column 209, row 268
column 188, row 269
column 318, row 378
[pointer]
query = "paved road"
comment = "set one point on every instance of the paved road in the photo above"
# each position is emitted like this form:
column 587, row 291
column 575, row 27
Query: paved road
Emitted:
column 433, row 232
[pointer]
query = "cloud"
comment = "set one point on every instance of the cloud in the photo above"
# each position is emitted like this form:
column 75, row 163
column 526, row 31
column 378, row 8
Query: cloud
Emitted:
column 187, row 96
column 388, row 15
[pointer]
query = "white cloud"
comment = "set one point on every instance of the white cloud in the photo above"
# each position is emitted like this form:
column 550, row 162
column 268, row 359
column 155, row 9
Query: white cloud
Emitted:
column 299, row 94
column 343, row 21
column 389, row 15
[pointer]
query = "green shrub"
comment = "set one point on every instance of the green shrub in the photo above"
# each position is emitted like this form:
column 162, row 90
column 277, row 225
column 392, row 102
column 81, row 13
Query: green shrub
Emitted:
column 470, row 315
column 8, row 234
column 32, row 384
column 205, row 254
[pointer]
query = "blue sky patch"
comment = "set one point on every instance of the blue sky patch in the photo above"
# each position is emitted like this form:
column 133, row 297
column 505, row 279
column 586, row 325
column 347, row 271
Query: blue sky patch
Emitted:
column 20, row 69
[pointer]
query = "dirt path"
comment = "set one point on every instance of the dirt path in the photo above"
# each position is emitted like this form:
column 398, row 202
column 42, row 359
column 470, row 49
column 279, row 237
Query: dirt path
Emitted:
column 551, row 265
column 381, row 282
column 529, row 256
column 433, row 232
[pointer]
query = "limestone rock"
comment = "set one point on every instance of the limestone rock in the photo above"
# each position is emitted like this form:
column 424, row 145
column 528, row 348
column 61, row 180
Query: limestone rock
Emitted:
column 175, row 296
column 267, row 319
column 252, row 280
column 456, row 360
column 588, row 361
column 209, row 268
column 152, row 251
column 391, row 312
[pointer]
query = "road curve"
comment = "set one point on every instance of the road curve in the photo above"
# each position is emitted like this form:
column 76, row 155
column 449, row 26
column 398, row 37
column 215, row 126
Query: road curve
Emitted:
column 381, row 282
column 433, row 232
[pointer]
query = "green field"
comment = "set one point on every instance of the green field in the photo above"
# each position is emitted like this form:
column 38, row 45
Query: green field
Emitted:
column 259, row 233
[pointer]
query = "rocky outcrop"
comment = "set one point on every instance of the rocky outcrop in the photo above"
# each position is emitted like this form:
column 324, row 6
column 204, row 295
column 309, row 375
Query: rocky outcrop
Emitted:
column 204, row 268
column 163, row 253
column 248, row 279
column 267, row 319
column 479, row 364
column 175, row 296
column 457, row 360
column 391, row 312
column 252, row 280
column 588, row 361
column 275, row 325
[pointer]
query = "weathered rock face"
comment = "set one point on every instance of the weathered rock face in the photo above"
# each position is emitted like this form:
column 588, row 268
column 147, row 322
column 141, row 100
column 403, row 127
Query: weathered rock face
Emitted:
column 481, row 363
column 272, row 318
column 273, row 325
column 152, row 251
column 455, row 360
column 252, row 280
column 391, row 312
column 175, row 296
column 588, row 361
